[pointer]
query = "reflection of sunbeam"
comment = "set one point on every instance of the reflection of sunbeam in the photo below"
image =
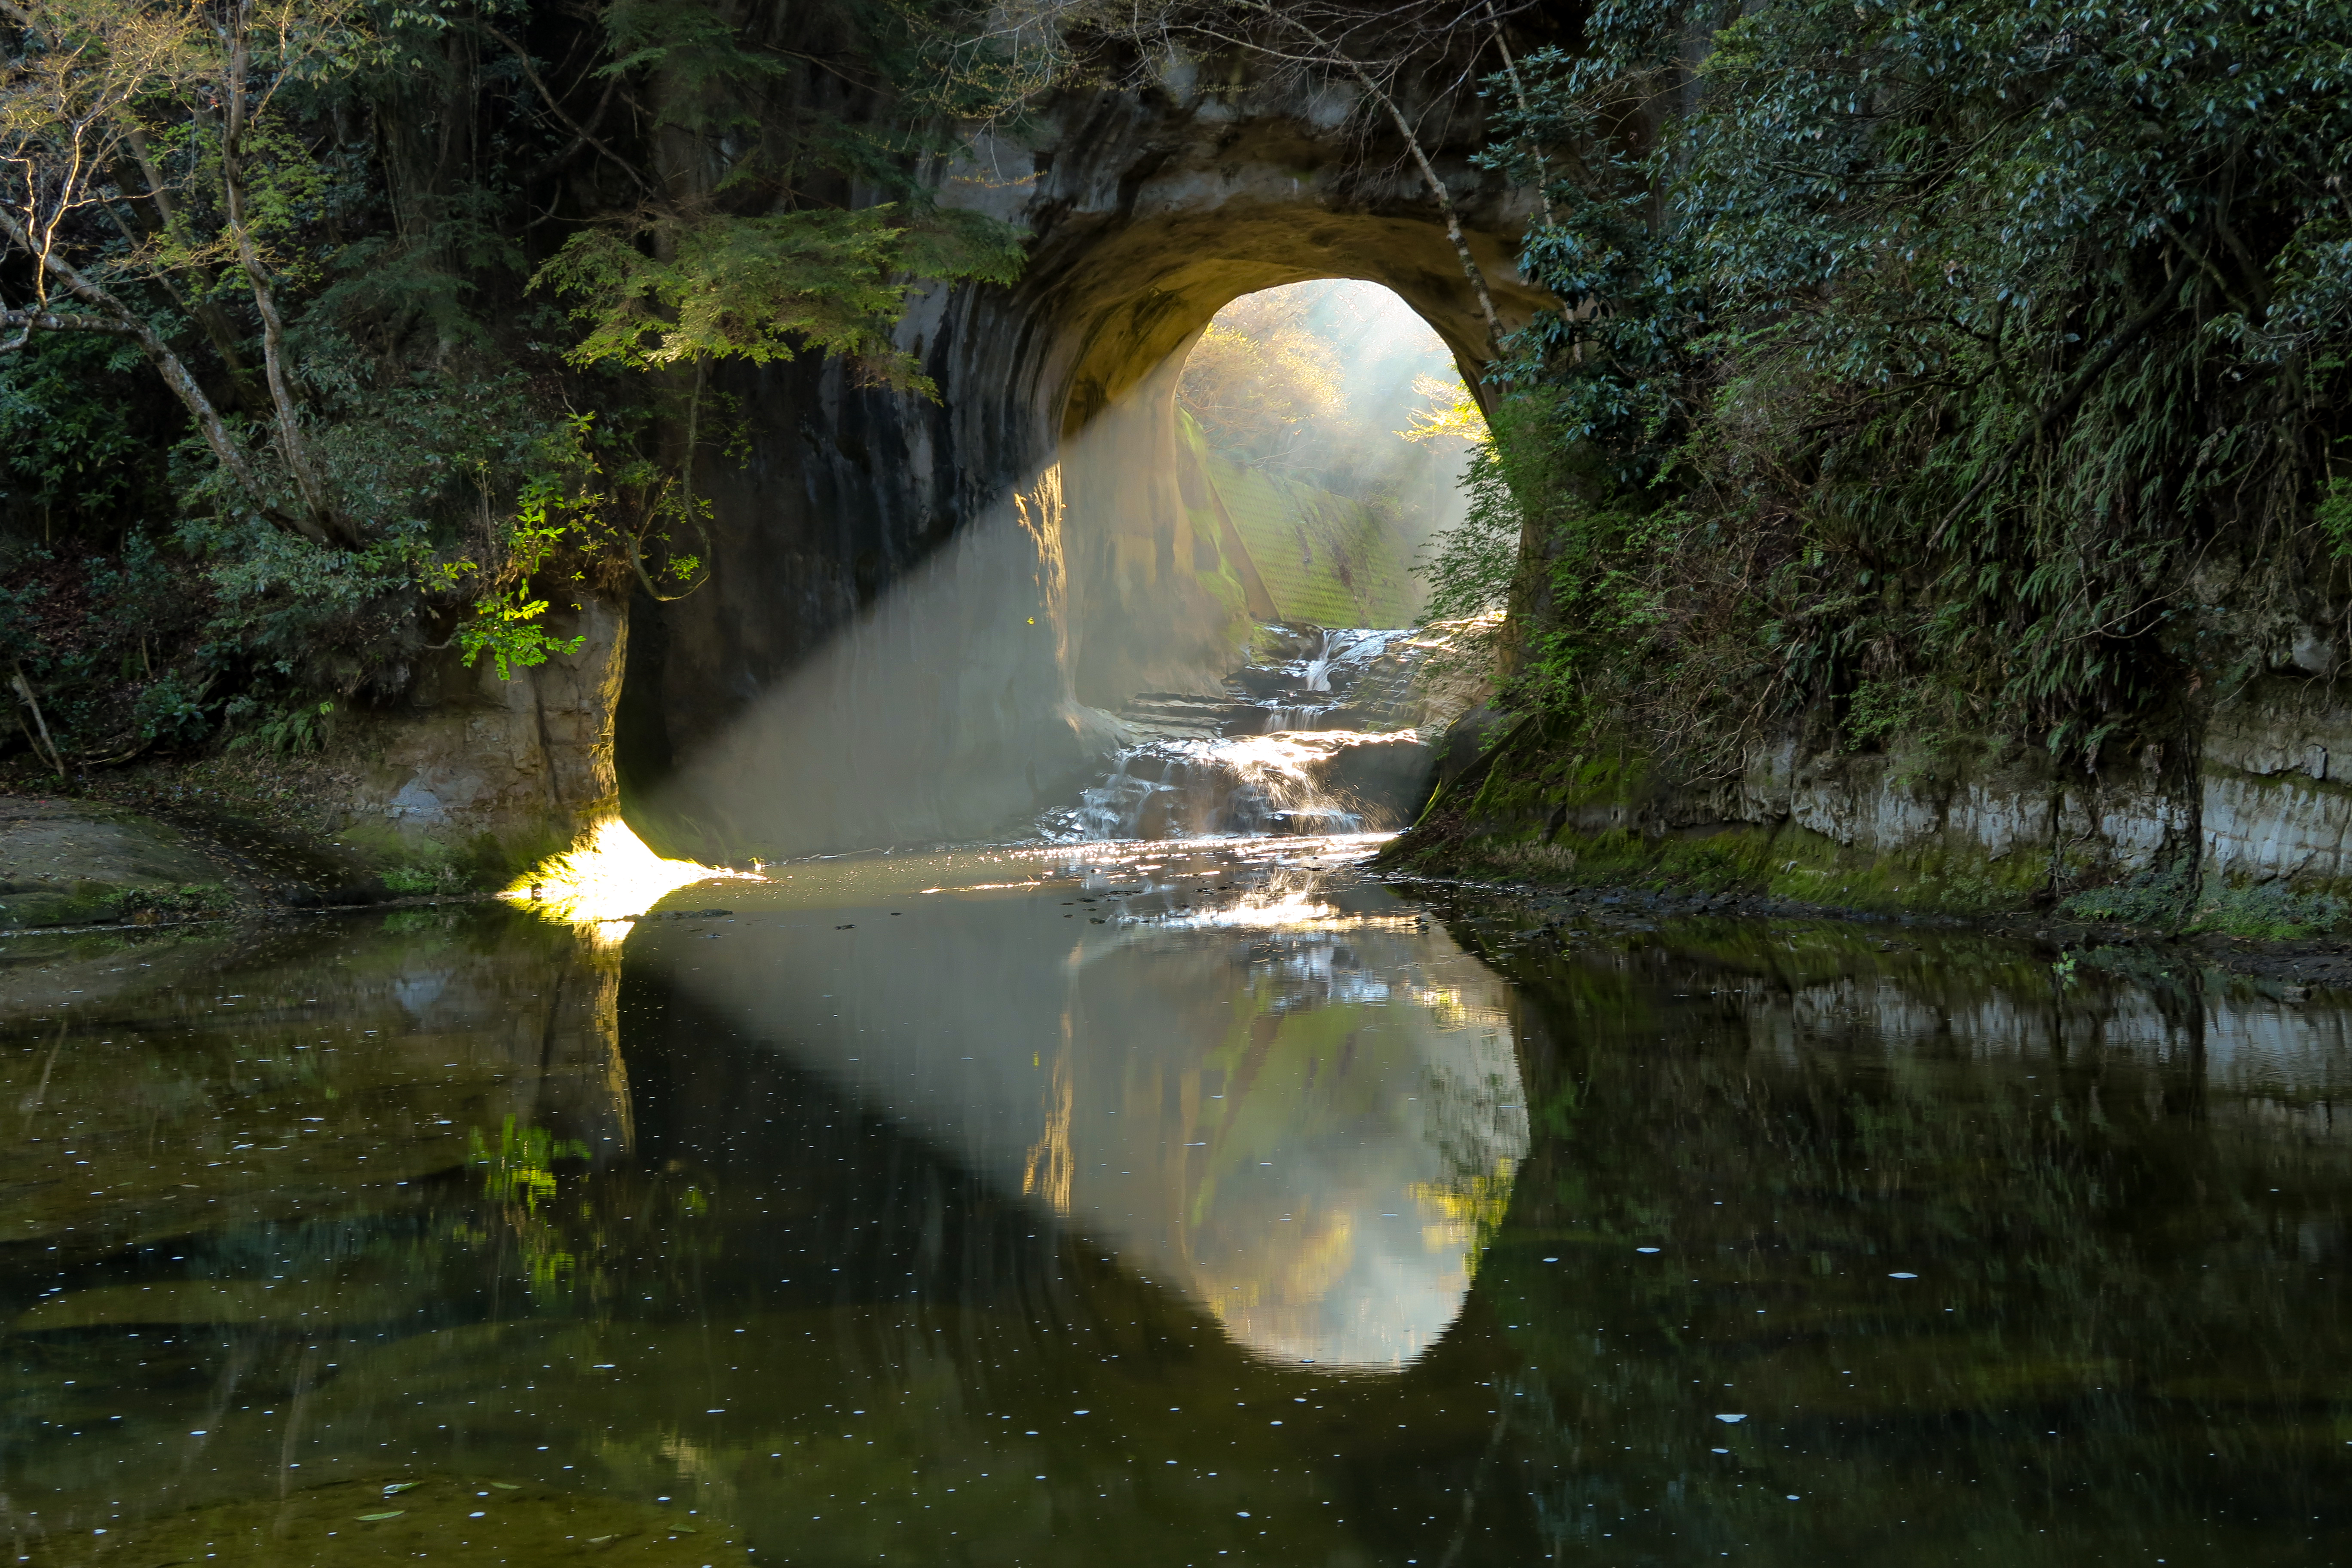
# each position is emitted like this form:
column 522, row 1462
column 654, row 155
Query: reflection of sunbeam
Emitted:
column 1242, row 1099
column 1290, row 911
column 1051, row 1164
column 607, row 879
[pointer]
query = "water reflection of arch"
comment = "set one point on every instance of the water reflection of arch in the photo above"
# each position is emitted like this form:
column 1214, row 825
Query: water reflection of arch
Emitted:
column 1297, row 1116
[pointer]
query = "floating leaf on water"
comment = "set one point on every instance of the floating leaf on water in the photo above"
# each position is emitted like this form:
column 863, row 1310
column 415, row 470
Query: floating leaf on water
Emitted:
column 398, row 1487
column 598, row 1539
column 395, row 1513
column 504, row 1486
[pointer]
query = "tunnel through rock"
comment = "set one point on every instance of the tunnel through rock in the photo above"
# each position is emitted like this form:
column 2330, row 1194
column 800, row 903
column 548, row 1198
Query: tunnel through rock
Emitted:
column 925, row 613
column 1320, row 430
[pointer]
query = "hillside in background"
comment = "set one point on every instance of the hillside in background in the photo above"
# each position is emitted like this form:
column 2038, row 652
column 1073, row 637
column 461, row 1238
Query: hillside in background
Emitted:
column 1327, row 559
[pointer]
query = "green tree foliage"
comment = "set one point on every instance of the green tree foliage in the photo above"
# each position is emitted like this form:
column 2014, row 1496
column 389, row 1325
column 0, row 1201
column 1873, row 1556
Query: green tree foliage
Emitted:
column 266, row 319
column 668, row 290
column 1948, row 363
column 1336, row 385
column 1267, row 388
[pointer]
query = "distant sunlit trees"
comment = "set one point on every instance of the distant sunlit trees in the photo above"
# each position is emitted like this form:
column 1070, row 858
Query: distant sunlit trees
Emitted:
column 1266, row 387
column 1333, row 384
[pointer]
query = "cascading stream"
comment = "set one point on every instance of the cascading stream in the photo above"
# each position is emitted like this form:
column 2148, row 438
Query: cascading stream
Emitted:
column 1320, row 732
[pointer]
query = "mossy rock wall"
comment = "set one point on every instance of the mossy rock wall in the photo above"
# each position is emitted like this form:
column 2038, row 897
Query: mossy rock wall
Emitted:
column 2249, row 831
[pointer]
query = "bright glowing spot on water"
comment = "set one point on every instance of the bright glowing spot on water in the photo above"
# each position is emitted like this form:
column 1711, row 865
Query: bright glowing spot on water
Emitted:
column 1902, row 1277
column 1731, row 1420
column 608, row 879
column 1645, row 1249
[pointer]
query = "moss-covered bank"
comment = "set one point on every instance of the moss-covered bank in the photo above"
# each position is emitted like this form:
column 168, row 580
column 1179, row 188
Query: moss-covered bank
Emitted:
column 2245, row 835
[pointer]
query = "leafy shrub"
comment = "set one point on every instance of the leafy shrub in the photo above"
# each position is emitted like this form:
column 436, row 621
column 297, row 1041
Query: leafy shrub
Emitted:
column 289, row 732
column 2269, row 912
column 1911, row 362
column 2148, row 898
column 429, row 871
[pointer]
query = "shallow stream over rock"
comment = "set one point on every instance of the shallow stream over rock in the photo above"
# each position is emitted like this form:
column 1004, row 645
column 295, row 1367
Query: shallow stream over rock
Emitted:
column 1324, row 731
column 1178, row 1203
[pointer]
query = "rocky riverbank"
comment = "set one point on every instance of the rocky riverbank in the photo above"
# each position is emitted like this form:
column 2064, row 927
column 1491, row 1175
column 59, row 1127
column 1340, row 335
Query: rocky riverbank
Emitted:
column 196, row 852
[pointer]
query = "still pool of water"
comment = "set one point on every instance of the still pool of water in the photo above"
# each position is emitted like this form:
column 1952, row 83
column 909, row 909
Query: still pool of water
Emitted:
column 1157, row 1204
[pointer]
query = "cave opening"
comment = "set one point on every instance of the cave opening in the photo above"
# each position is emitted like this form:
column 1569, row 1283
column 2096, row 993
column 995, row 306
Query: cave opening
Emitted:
column 1328, row 423
column 1190, row 611
column 1247, row 536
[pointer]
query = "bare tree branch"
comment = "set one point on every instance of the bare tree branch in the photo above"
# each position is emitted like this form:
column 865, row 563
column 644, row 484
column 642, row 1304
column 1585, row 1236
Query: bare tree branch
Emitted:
column 175, row 374
column 1373, row 48
column 555, row 106
column 1519, row 93
column 1443, row 197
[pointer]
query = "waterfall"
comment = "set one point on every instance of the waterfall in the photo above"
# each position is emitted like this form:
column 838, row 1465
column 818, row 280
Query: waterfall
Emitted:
column 1311, row 736
column 1204, row 788
column 1319, row 669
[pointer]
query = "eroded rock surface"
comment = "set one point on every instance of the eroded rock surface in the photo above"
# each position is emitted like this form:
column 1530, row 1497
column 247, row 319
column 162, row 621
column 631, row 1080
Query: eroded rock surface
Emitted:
column 924, row 611
column 1963, row 829
column 69, row 862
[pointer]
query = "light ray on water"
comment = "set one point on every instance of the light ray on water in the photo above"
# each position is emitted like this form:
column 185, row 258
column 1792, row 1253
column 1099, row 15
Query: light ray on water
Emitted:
column 607, row 879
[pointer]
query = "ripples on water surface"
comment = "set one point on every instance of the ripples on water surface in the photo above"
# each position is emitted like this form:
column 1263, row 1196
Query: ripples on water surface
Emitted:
column 1171, row 1206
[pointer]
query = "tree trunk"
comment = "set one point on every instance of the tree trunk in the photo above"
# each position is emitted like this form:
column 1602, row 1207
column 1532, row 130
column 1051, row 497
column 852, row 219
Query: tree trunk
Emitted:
column 1520, row 91
column 176, row 375
column 316, row 498
column 207, row 314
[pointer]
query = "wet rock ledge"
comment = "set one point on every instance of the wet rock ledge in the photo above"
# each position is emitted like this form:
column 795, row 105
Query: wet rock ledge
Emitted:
column 72, row 862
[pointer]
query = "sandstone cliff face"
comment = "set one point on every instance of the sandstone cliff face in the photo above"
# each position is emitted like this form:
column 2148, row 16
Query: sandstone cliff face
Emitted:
column 923, row 611
column 2275, row 800
column 487, row 770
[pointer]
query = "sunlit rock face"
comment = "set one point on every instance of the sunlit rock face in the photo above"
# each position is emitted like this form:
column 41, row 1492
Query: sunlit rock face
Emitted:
column 920, row 609
column 1303, row 1113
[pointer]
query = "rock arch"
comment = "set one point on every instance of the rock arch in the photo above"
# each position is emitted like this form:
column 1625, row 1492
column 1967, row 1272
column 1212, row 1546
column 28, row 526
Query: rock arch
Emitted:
column 921, row 607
